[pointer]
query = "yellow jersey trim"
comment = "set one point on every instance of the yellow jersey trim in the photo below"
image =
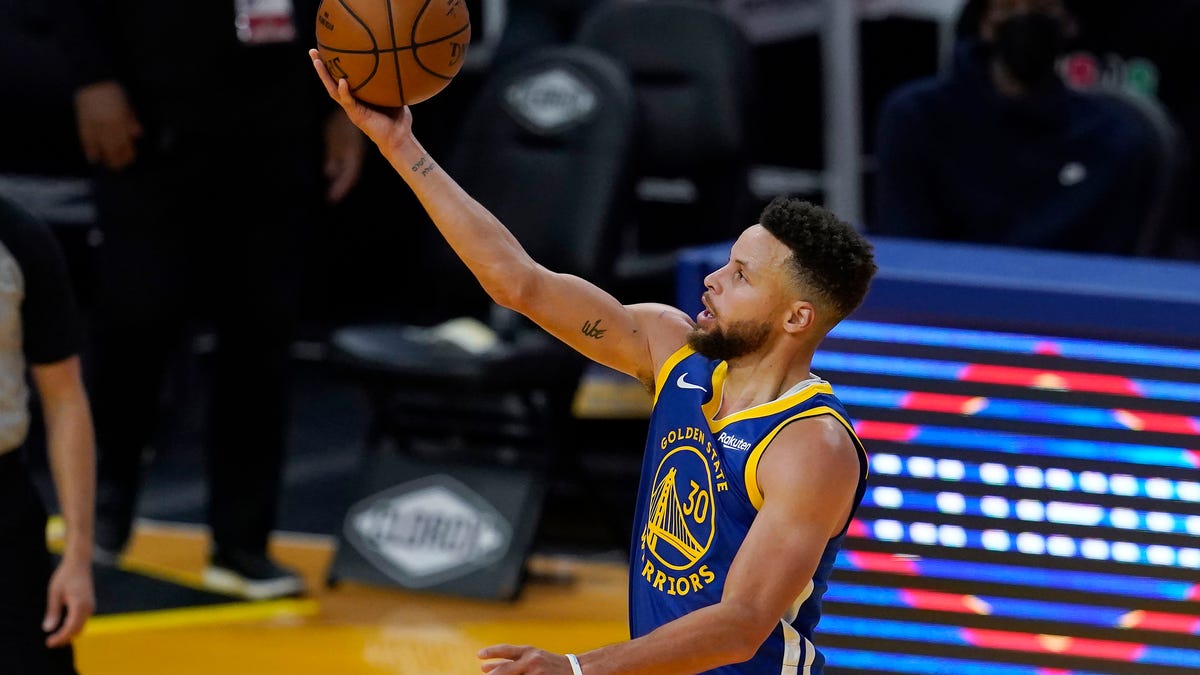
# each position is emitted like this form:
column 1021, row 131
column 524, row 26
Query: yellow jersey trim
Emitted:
column 660, row 380
column 750, row 473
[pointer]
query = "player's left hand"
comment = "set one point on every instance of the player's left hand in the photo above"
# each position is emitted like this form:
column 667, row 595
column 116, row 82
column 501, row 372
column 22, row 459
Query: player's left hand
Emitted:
column 386, row 127
column 523, row 660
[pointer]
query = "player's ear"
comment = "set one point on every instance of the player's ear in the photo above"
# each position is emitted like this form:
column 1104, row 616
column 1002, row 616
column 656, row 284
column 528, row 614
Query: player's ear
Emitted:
column 801, row 315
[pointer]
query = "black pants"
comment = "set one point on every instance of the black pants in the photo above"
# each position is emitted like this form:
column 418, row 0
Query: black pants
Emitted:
column 25, row 567
column 211, row 232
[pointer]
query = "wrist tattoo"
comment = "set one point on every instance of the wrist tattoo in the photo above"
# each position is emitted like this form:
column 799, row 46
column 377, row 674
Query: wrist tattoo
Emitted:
column 424, row 165
column 593, row 330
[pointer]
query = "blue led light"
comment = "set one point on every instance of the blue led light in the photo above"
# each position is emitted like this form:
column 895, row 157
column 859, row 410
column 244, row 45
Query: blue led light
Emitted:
column 1044, row 446
column 1088, row 482
column 1029, row 510
column 930, row 369
column 1016, row 608
column 996, row 408
column 1099, row 583
column 1031, row 543
column 953, row 635
column 913, row 664
column 1087, row 350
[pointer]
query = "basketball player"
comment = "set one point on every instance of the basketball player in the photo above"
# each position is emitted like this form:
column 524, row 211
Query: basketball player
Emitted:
column 752, row 471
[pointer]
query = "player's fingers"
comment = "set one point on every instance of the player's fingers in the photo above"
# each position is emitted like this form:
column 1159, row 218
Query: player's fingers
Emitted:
column 68, row 630
column 511, row 652
column 53, row 619
column 53, row 616
column 343, row 89
column 489, row 666
column 323, row 73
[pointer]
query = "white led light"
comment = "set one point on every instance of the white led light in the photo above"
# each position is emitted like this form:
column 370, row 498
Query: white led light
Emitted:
column 1095, row 549
column 923, row 533
column 1160, row 522
column 1094, row 482
column 993, row 474
column 1060, row 479
column 1126, row 519
column 952, row 535
column 1123, row 484
column 1031, row 543
column 994, row 507
column 1160, row 555
column 1192, row 523
column 889, row 530
column 885, row 464
column 1063, row 547
column 996, row 540
column 950, row 469
column 1160, row 488
column 1189, row 557
column 1030, row 477
column 1123, row 551
column 888, row 497
column 1031, row 509
column 1188, row 491
column 1074, row 514
column 951, row 502
column 921, row 467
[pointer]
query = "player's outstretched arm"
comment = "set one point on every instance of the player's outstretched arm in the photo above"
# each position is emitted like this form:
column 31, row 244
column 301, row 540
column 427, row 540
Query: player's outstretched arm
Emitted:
column 632, row 340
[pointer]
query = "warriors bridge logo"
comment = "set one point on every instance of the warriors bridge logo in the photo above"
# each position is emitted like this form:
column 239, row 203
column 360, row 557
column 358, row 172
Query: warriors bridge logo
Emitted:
column 681, row 522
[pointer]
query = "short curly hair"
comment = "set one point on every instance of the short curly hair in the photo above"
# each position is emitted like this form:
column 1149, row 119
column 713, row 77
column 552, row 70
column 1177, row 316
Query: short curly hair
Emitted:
column 829, row 257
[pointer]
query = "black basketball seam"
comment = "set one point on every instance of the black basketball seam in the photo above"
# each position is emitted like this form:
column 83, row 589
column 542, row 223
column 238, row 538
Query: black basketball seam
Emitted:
column 374, row 47
column 412, row 38
column 412, row 32
column 395, row 53
column 447, row 36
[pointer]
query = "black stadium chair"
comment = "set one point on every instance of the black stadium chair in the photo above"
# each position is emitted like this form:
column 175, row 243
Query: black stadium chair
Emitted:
column 692, row 69
column 546, row 147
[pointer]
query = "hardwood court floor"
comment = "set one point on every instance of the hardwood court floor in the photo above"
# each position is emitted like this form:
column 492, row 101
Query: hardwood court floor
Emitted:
column 568, row 604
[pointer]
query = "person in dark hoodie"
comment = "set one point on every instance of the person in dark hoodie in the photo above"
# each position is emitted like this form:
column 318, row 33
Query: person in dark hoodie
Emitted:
column 206, row 210
column 1000, row 151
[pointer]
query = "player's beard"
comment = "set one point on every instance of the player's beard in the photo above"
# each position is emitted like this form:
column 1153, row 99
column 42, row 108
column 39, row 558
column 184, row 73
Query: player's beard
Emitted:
column 724, row 344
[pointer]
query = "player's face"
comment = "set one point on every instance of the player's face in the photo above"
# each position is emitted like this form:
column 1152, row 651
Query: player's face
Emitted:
column 745, row 299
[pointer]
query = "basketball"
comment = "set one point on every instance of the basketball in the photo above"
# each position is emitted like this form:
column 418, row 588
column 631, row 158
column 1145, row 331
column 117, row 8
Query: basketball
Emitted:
column 393, row 52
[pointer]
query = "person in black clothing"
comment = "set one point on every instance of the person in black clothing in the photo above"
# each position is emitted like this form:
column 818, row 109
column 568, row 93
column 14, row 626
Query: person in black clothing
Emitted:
column 1149, row 49
column 42, row 167
column 43, row 606
column 1000, row 151
column 206, row 211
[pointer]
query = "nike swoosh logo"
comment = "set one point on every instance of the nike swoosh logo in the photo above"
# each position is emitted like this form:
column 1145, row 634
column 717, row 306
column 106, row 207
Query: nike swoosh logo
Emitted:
column 684, row 384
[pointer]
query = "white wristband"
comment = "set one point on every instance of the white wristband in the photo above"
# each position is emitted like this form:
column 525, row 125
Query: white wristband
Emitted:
column 575, row 669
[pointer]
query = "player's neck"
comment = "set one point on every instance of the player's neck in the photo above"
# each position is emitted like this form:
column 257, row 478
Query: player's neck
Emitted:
column 753, row 383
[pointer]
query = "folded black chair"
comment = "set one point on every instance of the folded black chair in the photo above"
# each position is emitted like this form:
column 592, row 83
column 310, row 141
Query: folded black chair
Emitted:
column 693, row 74
column 546, row 146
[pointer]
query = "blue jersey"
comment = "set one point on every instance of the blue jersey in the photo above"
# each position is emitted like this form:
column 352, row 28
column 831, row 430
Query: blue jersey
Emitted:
column 698, row 497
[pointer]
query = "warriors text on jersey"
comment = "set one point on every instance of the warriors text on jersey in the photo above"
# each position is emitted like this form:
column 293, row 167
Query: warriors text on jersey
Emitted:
column 698, row 497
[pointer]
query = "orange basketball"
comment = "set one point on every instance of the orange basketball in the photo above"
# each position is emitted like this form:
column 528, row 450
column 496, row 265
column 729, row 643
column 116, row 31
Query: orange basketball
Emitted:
column 393, row 52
